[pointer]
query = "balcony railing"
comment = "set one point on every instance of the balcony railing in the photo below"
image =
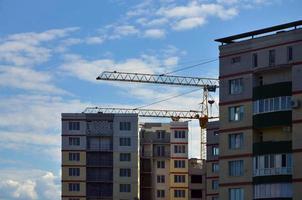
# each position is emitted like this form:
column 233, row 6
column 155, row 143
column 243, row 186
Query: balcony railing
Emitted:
column 273, row 171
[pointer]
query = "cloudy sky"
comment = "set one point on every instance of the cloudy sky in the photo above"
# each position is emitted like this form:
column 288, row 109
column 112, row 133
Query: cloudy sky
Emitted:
column 52, row 50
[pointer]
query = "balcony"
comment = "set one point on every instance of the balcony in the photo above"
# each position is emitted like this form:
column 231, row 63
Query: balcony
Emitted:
column 146, row 154
column 262, row 148
column 272, row 119
column 161, row 154
column 273, row 171
column 272, row 90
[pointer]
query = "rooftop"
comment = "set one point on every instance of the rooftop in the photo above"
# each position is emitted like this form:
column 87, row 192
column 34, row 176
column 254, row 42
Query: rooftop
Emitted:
column 252, row 34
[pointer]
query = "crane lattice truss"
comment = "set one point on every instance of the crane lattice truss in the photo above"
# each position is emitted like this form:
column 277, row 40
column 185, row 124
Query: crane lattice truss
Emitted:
column 174, row 114
column 209, row 84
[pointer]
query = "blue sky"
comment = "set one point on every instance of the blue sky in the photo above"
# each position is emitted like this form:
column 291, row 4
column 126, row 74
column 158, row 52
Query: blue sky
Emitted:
column 52, row 50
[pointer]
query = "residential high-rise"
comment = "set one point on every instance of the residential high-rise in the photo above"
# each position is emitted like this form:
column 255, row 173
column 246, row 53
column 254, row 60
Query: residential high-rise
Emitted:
column 164, row 161
column 260, row 140
column 100, row 156
column 197, row 177
column 212, row 161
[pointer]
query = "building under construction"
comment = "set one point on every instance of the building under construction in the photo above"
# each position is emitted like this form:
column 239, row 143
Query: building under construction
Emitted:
column 254, row 151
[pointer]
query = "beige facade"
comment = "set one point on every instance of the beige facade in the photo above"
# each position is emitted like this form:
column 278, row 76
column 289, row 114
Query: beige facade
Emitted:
column 164, row 161
column 100, row 156
column 260, row 117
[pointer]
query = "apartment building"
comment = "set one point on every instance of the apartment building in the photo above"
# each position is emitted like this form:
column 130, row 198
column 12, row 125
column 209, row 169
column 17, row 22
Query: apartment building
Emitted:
column 164, row 161
column 212, row 161
column 100, row 156
column 197, row 177
column 260, row 140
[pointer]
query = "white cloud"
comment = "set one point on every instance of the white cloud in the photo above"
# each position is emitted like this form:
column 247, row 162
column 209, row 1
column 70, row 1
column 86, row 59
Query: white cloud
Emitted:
column 28, row 184
column 125, row 30
column 189, row 23
column 155, row 33
column 28, row 79
column 94, row 40
column 27, row 49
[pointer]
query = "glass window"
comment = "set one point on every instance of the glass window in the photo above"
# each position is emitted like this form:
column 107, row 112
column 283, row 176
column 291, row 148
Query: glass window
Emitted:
column 215, row 184
column 289, row 53
column 236, row 168
column 125, row 157
column 236, row 59
column 255, row 60
column 125, row 172
column 125, row 126
column 236, row 194
column 74, row 126
column 74, row 171
column 160, row 178
column 179, row 164
column 215, row 151
column 236, row 113
column 160, row 193
column 179, row 134
column 179, row 178
column 125, row 188
column 161, row 164
column 215, row 167
column 235, row 140
column 179, row 193
column 125, row 141
column 73, row 187
column 272, row 59
column 74, row 141
column 179, row 149
column 160, row 134
column 236, row 86
column 74, row 156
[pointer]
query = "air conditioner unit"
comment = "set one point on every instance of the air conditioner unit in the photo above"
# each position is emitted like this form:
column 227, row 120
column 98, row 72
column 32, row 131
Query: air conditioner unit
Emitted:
column 295, row 103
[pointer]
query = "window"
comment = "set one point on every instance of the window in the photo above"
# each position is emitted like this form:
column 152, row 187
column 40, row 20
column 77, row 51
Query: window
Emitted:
column 236, row 113
column 216, row 133
column 235, row 140
column 73, row 187
column 289, row 53
column 125, row 157
column 179, row 193
column 236, row 168
column 125, row 188
column 215, row 184
column 236, row 194
column 215, row 167
column 74, row 141
column 236, row 59
column 125, row 126
column 179, row 149
column 255, row 60
column 236, row 86
column 160, row 178
column 74, row 156
column 74, row 171
column 125, row 172
column 161, row 164
column 74, row 126
column 179, row 178
column 160, row 193
column 125, row 141
column 180, row 134
column 282, row 103
column 160, row 134
column 272, row 57
column 273, row 191
column 196, row 178
column 215, row 151
column 179, row 164
column 160, row 150
column 214, row 198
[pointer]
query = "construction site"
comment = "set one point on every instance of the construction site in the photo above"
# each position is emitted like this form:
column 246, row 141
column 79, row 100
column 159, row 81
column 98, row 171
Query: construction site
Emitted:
column 250, row 146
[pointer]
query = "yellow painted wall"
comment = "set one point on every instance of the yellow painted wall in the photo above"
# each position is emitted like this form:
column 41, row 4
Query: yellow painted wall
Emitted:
column 65, row 159
column 66, row 192
column 174, row 198
column 65, row 174
column 173, row 169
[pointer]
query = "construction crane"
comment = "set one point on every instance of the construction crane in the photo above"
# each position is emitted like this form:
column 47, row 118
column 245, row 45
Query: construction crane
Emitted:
column 175, row 115
column 207, row 84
